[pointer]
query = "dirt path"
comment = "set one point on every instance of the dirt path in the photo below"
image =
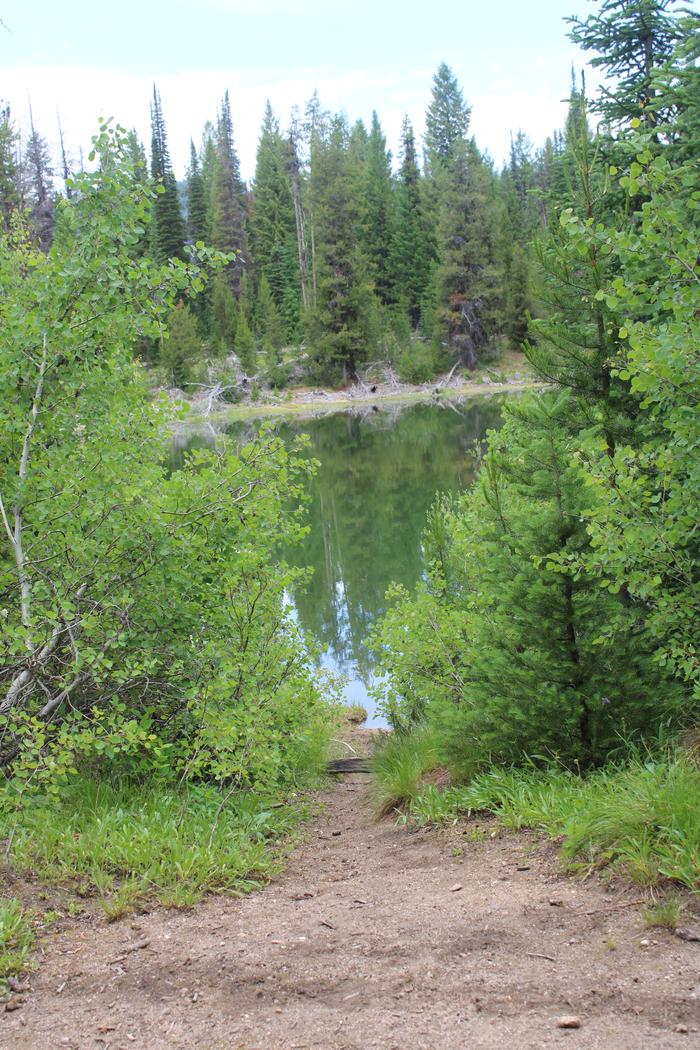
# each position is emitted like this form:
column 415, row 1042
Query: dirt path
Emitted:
column 366, row 941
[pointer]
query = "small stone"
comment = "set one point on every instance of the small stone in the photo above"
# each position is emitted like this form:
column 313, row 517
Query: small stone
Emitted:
column 456, row 888
column 682, row 1029
column 556, row 902
column 644, row 943
column 569, row 1022
column 335, row 834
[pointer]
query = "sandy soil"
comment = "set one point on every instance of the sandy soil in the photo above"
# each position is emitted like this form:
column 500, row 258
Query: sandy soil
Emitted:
column 375, row 936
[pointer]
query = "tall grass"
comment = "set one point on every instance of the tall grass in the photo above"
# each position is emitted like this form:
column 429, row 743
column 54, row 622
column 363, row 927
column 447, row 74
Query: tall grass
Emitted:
column 399, row 763
column 642, row 817
column 128, row 843
column 16, row 938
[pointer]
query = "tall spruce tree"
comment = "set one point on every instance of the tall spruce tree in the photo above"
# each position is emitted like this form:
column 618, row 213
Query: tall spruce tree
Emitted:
column 340, row 325
column 411, row 244
column 378, row 215
column 228, row 198
column 274, row 225
column 167, row 226
column 466, row 277
column 196, row 201
column 446, row 121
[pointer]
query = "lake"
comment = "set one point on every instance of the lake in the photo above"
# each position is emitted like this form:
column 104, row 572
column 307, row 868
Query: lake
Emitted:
column 380, row 470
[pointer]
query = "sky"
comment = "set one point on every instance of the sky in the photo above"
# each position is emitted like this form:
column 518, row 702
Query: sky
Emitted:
column 87, row 60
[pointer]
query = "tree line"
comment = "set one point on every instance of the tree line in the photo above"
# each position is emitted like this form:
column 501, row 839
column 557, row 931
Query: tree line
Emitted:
column 342, row 257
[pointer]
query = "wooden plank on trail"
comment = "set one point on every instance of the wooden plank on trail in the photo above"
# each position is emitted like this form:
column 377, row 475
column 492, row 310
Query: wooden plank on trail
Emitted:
column 349, row 765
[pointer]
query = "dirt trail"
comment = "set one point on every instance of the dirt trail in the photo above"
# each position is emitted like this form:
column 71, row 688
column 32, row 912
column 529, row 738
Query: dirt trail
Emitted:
column 366, row 941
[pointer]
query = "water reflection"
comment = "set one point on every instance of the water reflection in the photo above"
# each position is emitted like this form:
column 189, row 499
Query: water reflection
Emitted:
column 378, row 476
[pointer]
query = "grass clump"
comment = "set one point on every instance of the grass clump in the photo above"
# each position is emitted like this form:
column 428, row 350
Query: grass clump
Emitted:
column 129, row 844
column 16, row 938
column 355, row 714
column 664, row 915
column 642, row 818
column 399, row 764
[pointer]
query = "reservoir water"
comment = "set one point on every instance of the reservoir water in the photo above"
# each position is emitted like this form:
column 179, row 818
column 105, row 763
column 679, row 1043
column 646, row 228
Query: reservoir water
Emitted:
column 380, row 470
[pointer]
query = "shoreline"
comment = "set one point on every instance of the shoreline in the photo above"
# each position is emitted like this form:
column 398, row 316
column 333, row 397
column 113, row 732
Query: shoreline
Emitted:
column 305, row 402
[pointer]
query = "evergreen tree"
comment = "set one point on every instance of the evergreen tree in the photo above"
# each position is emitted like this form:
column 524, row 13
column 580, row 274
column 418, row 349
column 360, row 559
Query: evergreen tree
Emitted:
column 268, row 323
column 518, row 303
column 340, row 326
column 632, row 38
column 446, row 121
column 466, row 277
column 38, row 175
column 224, row 315
column 182, row 347
column 410, row 252
column 196, row 201
column 167, row 227
column 245, row 343
column 228, row 198
column 273, row 223
column 377, row 219
column 9, row 172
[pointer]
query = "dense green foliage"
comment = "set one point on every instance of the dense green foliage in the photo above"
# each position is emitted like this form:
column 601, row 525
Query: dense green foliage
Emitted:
column 558, row 616
column 144, row 629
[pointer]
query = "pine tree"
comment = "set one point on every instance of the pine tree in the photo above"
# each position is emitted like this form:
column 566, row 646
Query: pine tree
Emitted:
column 228, row 198
column 196, row 201
column 377, row 218
column 632, row 38
column 518, row 304
column 182, row 348
column 38, row 175
column 273, row 223
column 466, row 277
column 446, row 121
column 224, row 315
column 167, row 227
column 245, row 343
column 340, row 326
column 410, row 251
column 9, row 172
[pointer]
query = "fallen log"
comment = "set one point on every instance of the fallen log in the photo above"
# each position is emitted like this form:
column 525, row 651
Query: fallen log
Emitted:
column 349, row 765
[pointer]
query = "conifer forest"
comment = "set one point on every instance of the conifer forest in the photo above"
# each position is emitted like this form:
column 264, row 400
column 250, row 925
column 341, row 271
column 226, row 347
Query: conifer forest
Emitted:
column 349, row 537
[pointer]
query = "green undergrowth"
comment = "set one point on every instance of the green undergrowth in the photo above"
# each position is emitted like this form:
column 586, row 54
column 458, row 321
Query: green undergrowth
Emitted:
column 641, row 817
column 16, row 938
column 129, row 845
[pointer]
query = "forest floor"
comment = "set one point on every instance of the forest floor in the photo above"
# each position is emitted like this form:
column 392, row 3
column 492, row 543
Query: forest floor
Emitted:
column 375, row 935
